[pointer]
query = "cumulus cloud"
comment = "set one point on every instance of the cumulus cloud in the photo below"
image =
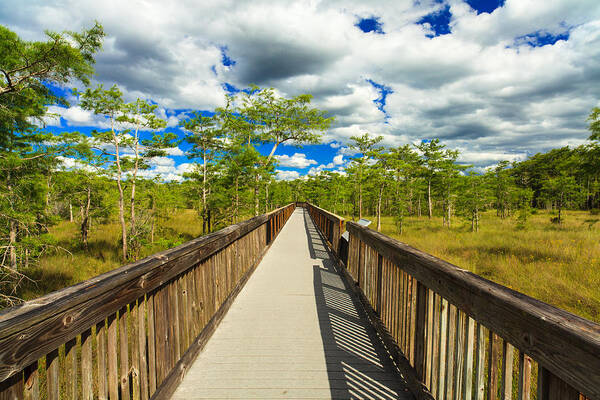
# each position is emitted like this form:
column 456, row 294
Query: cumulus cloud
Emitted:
column 491, row 86
column 298, row 160
column 285, row 175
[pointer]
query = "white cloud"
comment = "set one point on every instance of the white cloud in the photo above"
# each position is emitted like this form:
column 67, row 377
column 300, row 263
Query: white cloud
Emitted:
column 338, row 160
column 298, row 160
column 287, row 175
column 480, row 88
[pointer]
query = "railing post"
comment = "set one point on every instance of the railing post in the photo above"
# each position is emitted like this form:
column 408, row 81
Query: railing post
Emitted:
column 379, row 282
column 420, row 330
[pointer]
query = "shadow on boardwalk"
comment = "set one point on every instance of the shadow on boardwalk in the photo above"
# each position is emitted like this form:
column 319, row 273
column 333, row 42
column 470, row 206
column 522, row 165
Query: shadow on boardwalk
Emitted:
column 358, row 365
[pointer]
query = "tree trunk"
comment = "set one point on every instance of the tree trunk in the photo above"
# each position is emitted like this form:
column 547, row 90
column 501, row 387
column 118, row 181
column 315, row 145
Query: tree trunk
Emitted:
column 379, row 208
column 256, row 180
column 267, row 198
column 132, row 222
column 204, row 216
column 85, row 219
column 13, row 241
column 70, row 211
column 121, row 197
column 237, row 199
column 429, row 198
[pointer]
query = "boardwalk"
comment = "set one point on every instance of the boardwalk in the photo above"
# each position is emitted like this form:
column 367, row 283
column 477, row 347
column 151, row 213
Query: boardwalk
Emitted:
column 294, row 332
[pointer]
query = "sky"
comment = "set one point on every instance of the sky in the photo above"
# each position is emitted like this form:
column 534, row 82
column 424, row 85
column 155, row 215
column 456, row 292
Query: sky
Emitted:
column 496, row 79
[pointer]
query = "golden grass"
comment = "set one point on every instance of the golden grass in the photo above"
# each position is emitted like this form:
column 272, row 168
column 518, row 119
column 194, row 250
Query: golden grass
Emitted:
column 559, row 265
column 62, row 268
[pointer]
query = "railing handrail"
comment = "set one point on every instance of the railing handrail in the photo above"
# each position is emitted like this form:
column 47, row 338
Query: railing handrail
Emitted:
column 564, row 343
column 67, row 312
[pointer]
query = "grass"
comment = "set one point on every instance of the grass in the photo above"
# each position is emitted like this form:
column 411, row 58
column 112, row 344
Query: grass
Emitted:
column 559, row 265
column 72, row 264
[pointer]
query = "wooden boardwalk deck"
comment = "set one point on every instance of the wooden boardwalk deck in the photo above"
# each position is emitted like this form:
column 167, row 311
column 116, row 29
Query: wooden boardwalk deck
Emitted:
column 295, row 332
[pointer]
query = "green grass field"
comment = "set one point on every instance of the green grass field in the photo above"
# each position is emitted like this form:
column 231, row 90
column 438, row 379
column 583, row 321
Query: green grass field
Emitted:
column 556, row 264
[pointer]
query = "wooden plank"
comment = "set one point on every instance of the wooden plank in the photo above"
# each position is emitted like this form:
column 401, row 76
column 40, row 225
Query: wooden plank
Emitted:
column 420, row 331
column 124, row 353
column 71, row 373
column 459, row 354
column 494, row 349
column 524, row 387
column 32, row 384
column 111, row 352
column 467, row 387
column 429, row 345
column 142, row 343
column 507, row 370
column 442, row 346
column 101, row 360
column 52, row 374
column 450, row 351
column 566, row 344
column 480, row 363
column 151, row 344
column 135, row 350
column 435, row 371
column 87, row 391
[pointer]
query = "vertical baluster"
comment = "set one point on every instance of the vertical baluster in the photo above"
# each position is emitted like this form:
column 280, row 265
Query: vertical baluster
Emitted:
column 507, row 369
column 86, row 366
column 151, row 344
column 429, row 348
column 143, row 360
column 450, row 350
column 480, row 363
column 494, row 348
column 467, row 391
column 101, row 360
column 32, row 384
column 124, row 353
column 52, row 375
column 113, row 378
column 135, row 350
column 443, row 354
column 459, row 353
column 524, row 376
column 435, row 356
column 70, row 372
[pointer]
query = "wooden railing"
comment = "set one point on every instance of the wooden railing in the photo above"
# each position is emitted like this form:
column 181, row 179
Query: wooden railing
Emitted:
column 465, row 337
column 132, row 332
column 330, row 225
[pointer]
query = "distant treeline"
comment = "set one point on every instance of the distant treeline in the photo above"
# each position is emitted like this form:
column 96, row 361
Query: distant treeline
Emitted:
column 426, row 180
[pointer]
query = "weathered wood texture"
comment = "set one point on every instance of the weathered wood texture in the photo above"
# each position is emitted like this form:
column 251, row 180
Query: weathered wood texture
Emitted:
column 467, row 337
column 146, row 320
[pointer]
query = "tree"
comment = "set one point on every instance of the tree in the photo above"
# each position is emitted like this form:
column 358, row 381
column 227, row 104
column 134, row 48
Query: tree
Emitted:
column 27, row 68
column 594, row 126
column 278, row 120
column 205, row 138
column 140, row 114
column 366, row 146
column 559, row 190
column 109, row 103
column 432, row 155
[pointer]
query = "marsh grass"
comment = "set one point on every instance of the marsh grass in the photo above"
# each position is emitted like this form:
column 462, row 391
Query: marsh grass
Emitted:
column 69, row 263
column 558, row 264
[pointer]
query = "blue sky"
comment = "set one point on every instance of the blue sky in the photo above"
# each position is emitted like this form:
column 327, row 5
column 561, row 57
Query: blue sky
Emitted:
column 496, row 79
